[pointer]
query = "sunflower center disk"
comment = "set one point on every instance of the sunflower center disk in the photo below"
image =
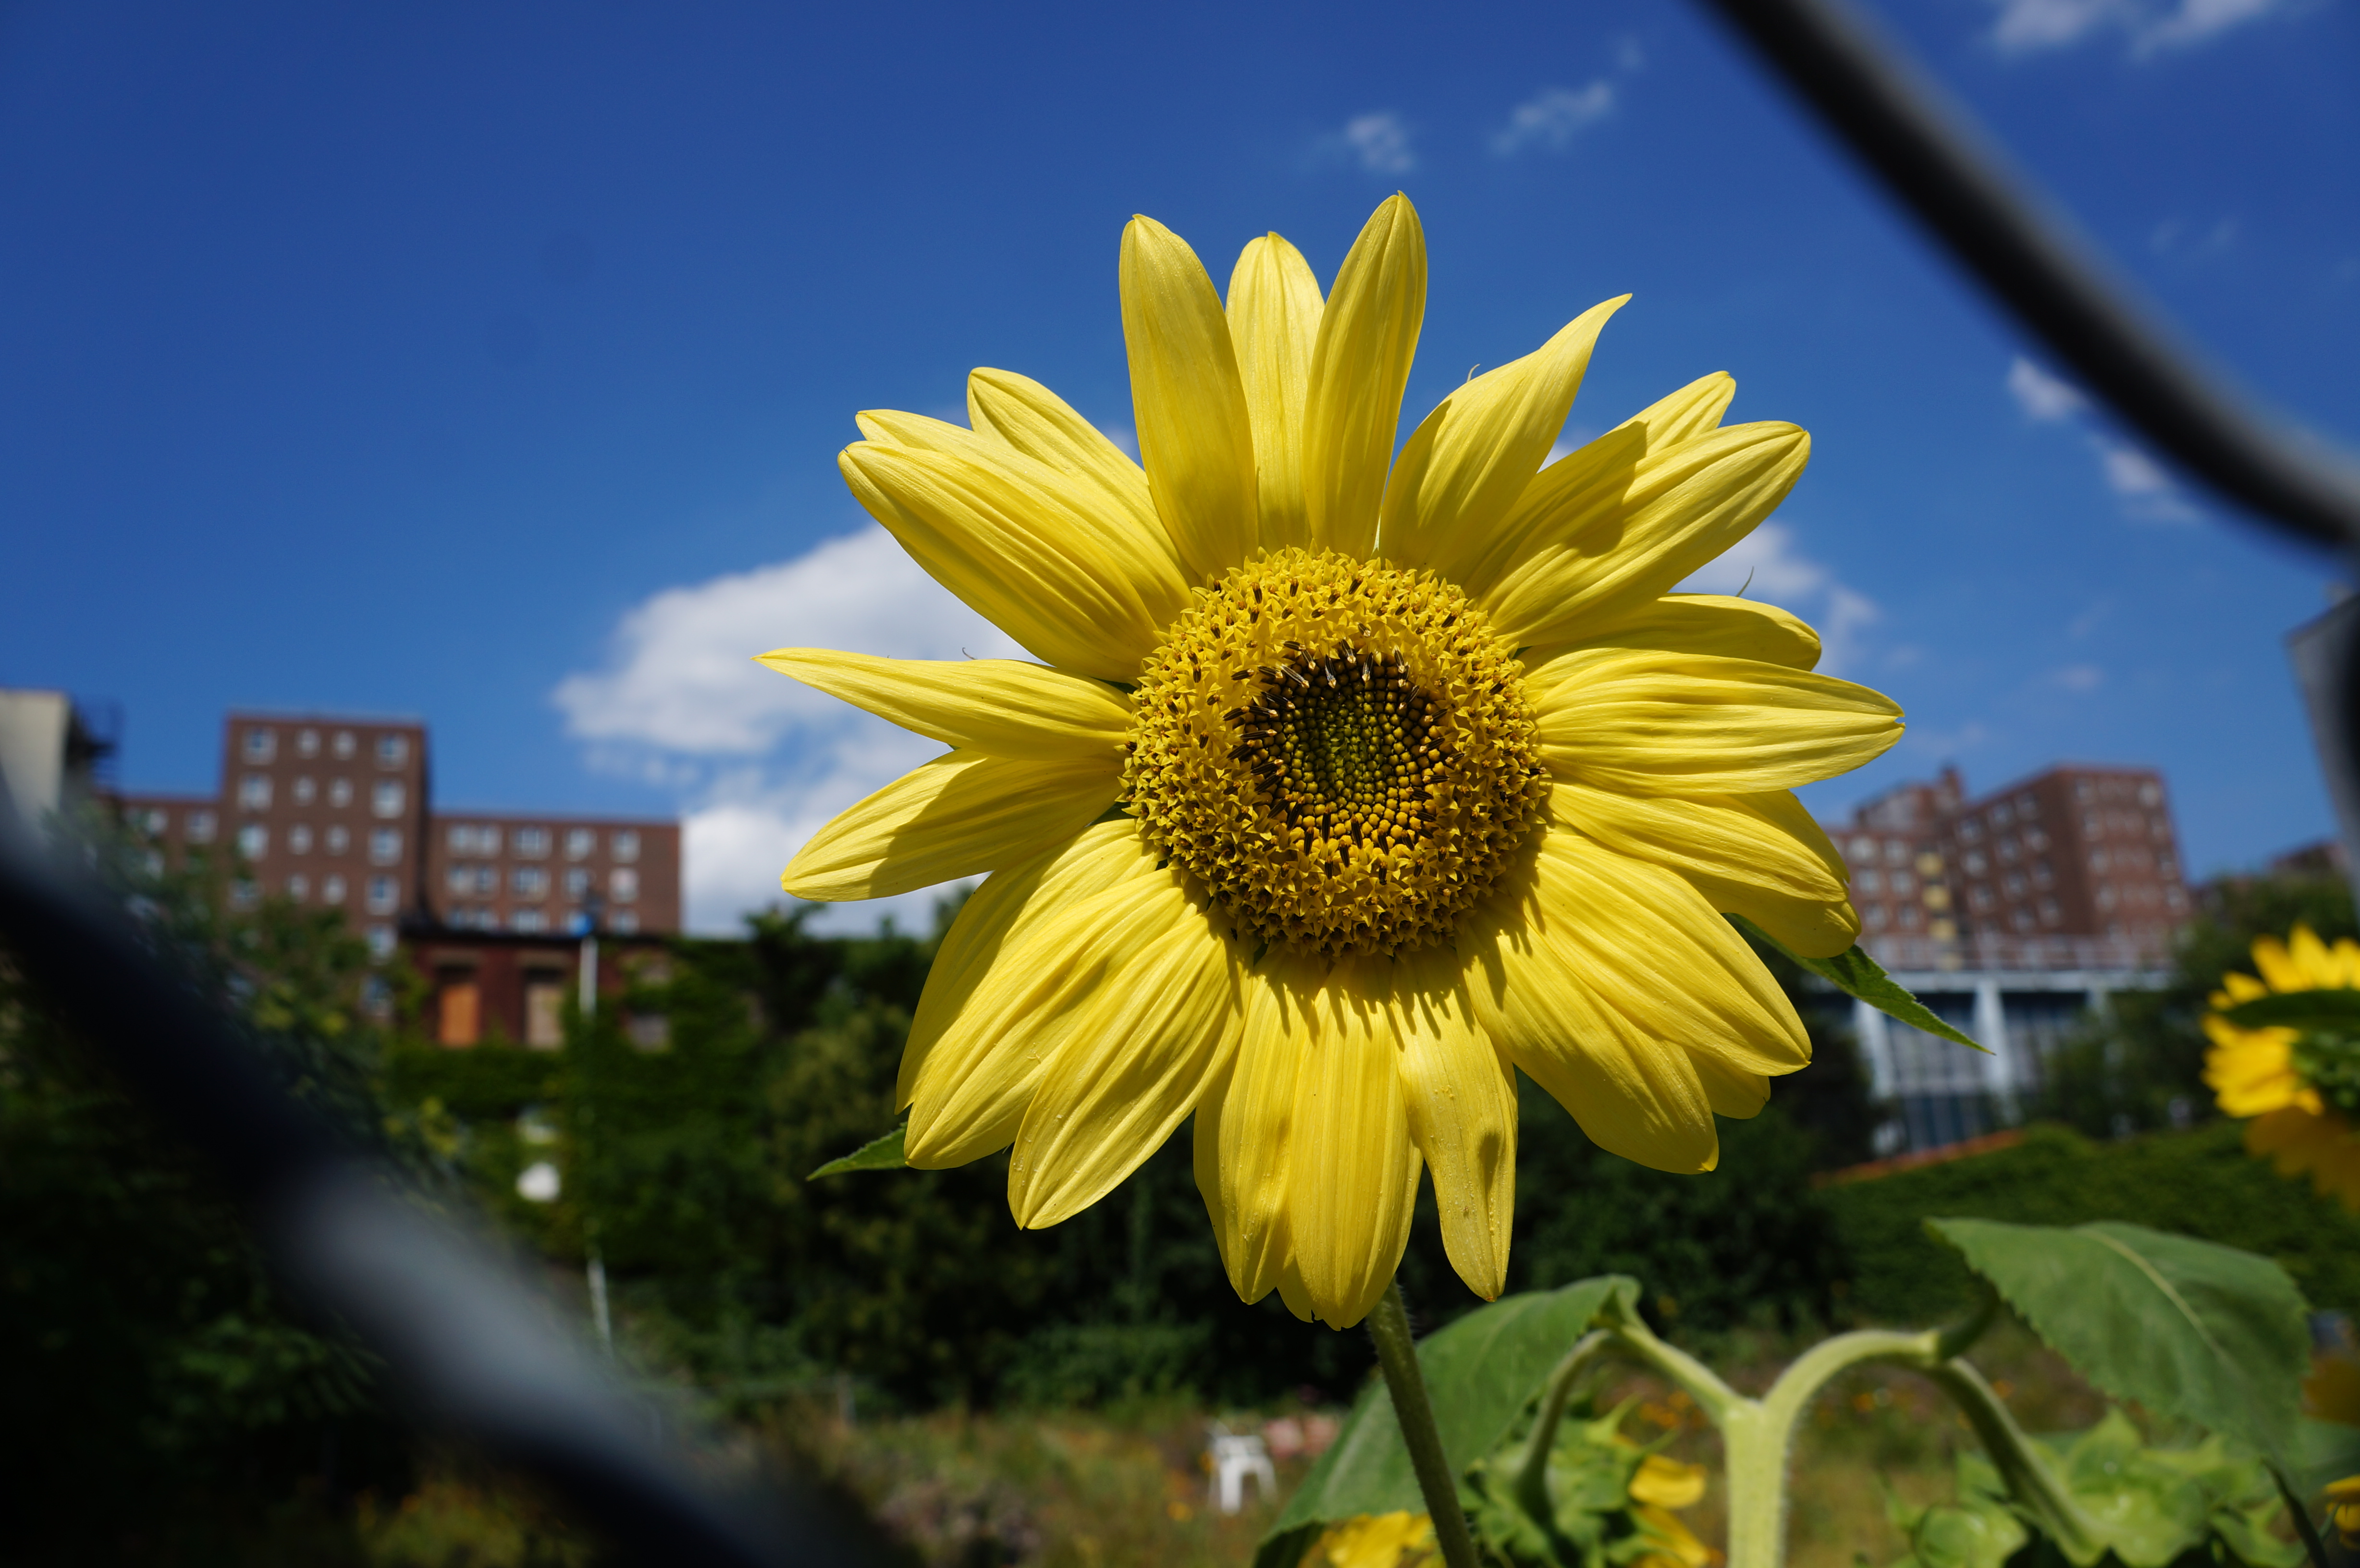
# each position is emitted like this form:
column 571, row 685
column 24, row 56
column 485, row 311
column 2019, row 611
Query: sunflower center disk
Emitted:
column 1339, row 750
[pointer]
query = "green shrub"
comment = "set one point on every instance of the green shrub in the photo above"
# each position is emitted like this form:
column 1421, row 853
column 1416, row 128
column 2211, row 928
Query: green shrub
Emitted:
column 2200, row 1183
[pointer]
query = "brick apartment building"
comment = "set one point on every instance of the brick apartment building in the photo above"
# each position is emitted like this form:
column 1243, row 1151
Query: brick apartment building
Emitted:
column 2073, row 853
column 335, row 811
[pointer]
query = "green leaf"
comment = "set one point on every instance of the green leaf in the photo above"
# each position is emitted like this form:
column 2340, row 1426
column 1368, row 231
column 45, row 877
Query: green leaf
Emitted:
column 1858, row 976
column 878, row 1154
column 1480, row 1372
column 1978, row 1531
column 2336, row 1008
column 2325, row 1450
column 2185, row 1328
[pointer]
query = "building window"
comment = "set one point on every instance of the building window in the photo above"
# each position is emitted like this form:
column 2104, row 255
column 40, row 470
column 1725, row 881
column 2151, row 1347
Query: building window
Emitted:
column 261, row 745
column 307, row 742
column 299, row 886
column 2028, row 807
column 393, row 750
column 298, row 839
column 1970, row 831
column 151, row 861
column 342, row 745
column 2001, row 816
column 2042, row 875
column 382, row 895
column 1909, row 917
column 473, row 838
column 2083, row 789
column 1872, row 917
column 2101, row 862
column 529, row 882
column 626, row 844
column 306, row 792
column 380, row 941
column 649, row 1031
column 385, row 845
column 2013, row 885
column 577, row 880
column 2021, row 919
column 340, row 839
column 2150, row 793
column 625, row 922
column 254, row 841
column 580, row 843
column 459, row 879
column 340, row 792
column 1975, row 863
column 530, row 843
column 2049, row 913
column 1896, row 853
column 253, row 792
column 1869, row 880
column 385, row 797
column 332, row 890
column 243, row 894
column 201, row 827
column 624, row 884
column 1981, row 898
column 528, row 920
column 2107, row 898
column 2176, row 899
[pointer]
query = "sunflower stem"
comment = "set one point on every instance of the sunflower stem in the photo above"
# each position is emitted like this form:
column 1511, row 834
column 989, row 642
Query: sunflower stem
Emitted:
column 1398, row 1353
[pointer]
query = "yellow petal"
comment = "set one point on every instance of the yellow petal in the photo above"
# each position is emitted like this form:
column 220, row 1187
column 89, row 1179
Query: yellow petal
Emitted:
column 1052, row 466
column 1004, row 914
column 1025, row 415
column 1461, row 1098
column 1136, row 1062
column 1702, row 623
column 1588, row 545
column 1767, row 841
column 1667, row 1483
column 1245, row 1130
column 1650, row 944
column 1633, row 1095
column 1732, row 1090
column 981, row 1072
column 1274, row 308
column 959, row 815
column 1465, row 465
column 1367, row 335
column 1692, row 411
column 1026, row 558
column 1000, row 707
column 1668, row 723
column 1195, row 439
column 1353, row 1179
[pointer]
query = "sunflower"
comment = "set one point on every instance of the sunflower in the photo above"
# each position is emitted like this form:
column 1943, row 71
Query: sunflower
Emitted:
column 1346, row 783
column 2299, row 1088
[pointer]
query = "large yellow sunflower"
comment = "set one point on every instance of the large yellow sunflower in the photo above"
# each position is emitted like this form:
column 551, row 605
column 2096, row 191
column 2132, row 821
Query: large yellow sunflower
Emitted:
column 1347, row 782
column 2269, row 1075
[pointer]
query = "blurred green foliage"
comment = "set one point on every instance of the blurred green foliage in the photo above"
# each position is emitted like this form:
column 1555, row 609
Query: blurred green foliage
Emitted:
column 683, row 1167
column 2200, row 1182
column 165, row 1403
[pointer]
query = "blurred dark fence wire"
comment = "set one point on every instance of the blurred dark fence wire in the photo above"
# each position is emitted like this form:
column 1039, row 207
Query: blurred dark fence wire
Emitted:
column 468, row 1347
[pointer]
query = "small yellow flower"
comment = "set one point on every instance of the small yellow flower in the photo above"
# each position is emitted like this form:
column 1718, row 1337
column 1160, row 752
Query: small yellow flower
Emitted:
column 1347, row 784
column 2343, row 1509
column 1402, row 1539
column 2255, row 1073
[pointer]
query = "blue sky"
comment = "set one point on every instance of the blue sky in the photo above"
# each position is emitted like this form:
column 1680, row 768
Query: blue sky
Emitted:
column 489, row 364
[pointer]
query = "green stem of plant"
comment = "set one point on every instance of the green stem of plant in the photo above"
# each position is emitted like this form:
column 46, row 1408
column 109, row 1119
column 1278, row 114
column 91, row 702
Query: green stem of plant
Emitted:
column 1398, row 1353
column 2303, row 1526
column 1532, row 1474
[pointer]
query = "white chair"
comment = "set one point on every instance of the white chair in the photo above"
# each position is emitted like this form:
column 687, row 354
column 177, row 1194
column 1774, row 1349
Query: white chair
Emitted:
column 1235, row 1456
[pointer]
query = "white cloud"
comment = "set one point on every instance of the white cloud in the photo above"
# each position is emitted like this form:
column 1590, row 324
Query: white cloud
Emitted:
column 2146, row 489
column 760, row 760
column 1553, row 118
column 1767, row 566
column 2079, row 677
column 1377, row 142
column 2041, row 396
column 2026, row 27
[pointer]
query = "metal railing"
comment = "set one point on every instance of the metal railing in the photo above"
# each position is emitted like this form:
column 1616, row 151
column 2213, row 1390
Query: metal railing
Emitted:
column 1993, row 951
column 467, row 1346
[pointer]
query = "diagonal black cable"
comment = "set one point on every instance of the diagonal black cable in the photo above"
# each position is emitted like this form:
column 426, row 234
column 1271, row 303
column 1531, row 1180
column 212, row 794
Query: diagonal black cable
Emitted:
column 1931, row 162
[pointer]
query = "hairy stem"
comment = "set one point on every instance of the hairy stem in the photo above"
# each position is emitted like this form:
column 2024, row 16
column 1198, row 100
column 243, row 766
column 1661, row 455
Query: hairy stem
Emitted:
column 1389, row 1327
column 1532, row 1475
